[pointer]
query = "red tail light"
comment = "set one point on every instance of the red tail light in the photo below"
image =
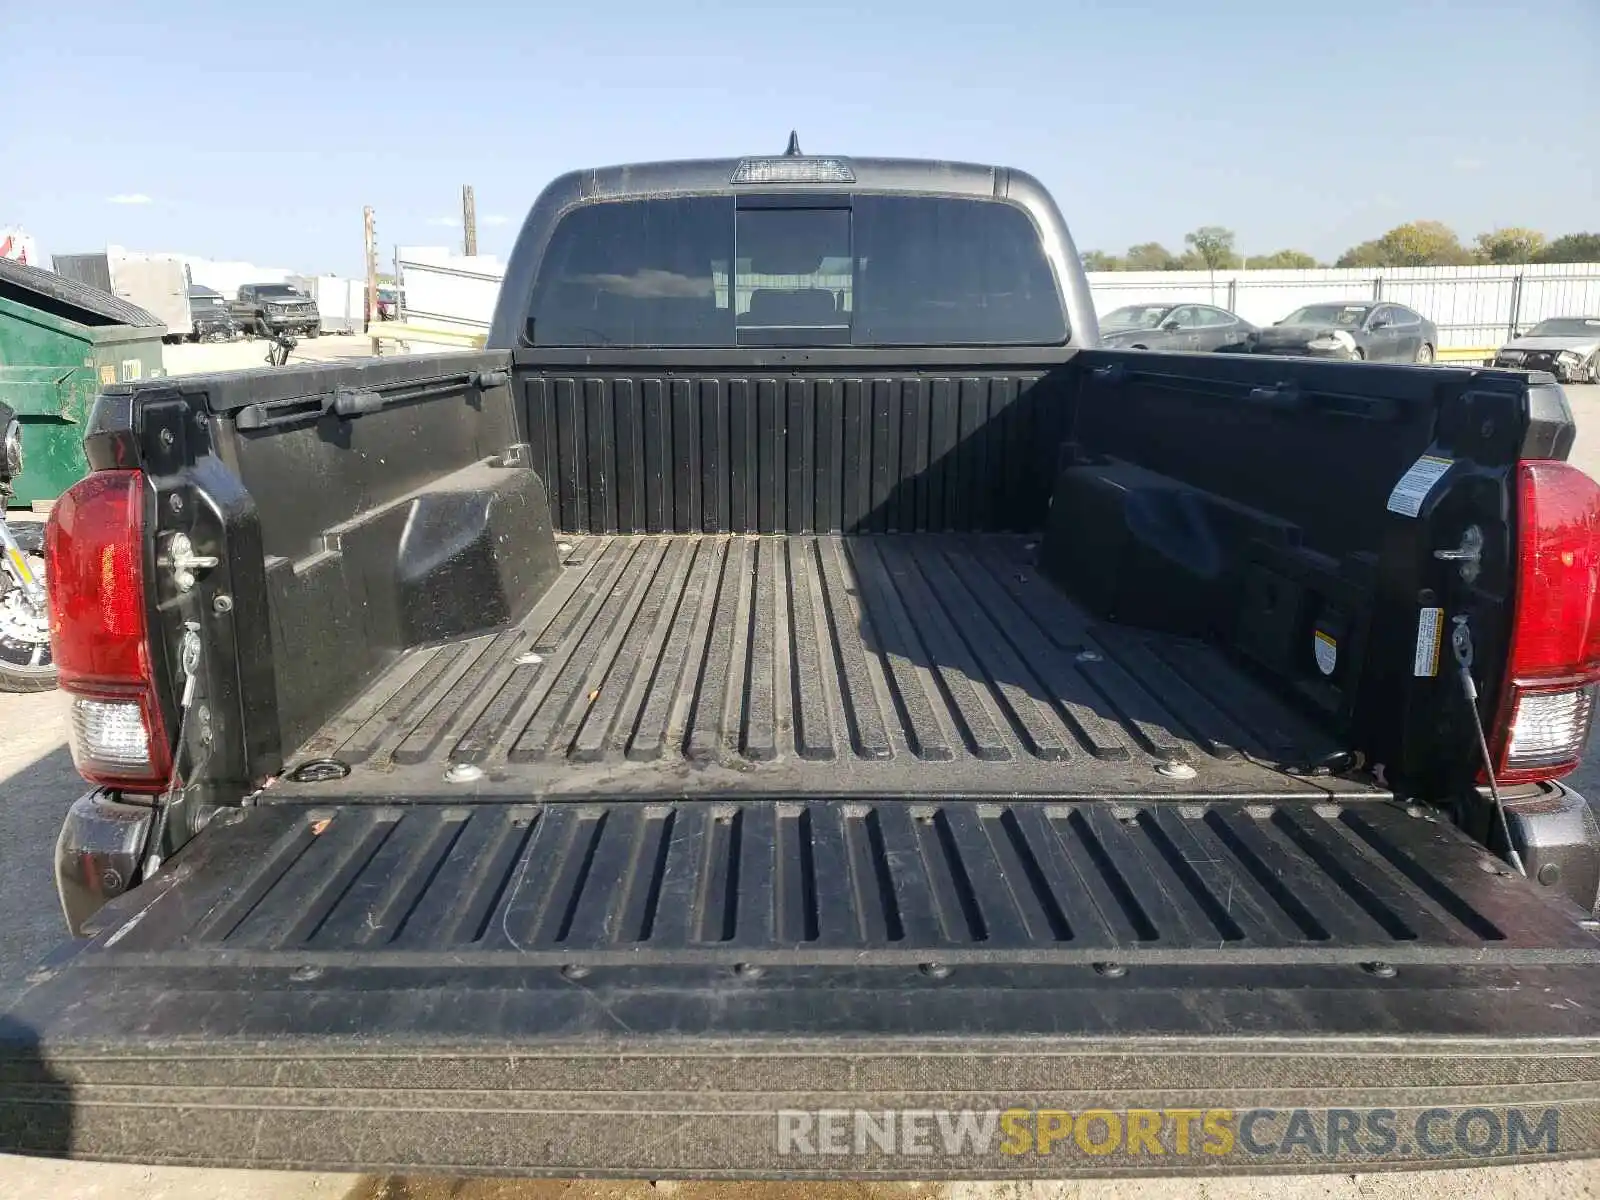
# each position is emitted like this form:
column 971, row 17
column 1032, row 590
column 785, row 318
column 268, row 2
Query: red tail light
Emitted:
column 94, row 560
column 1547, row 704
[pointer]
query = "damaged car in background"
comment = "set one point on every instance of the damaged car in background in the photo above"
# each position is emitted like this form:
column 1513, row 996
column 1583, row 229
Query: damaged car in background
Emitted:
column 1567, row 347
column 1354, row 332
column 211, row 318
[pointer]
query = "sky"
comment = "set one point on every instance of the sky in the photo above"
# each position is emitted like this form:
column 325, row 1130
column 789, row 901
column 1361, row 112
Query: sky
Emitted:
column 258, row 131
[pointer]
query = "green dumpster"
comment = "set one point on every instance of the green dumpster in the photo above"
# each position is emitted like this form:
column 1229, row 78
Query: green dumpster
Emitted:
column 60, row 342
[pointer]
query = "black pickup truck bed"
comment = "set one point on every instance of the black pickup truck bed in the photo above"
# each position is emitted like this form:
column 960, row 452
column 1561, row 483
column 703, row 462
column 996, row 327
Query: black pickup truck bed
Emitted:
column 795, row 813
column 801, row 665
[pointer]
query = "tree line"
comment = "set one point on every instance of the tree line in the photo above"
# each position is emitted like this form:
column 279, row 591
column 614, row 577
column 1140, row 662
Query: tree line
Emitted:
column 1414, row 244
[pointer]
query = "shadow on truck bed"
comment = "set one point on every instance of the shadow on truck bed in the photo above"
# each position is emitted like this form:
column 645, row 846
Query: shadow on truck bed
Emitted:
column 37, row 1112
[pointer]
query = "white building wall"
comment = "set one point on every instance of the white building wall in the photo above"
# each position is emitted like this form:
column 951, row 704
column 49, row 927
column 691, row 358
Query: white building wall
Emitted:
column 227, row 277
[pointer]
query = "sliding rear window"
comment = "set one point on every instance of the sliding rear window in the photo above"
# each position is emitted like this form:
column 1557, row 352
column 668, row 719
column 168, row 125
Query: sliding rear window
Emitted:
column 862, row 270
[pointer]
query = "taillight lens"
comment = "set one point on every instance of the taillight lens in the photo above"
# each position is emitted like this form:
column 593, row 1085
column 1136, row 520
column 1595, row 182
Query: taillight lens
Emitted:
column 1548, row 703
column 94, row 560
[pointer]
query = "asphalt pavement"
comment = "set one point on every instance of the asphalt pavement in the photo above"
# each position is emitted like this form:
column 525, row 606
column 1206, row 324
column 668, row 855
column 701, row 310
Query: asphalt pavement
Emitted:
column 38, row 784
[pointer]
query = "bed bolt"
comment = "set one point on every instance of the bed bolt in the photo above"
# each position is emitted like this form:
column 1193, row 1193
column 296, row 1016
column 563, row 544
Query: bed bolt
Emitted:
column 575, row 971
column 463, row 773
column 749, row 970
column 1175, row 769
column 305, row 974
column 934, row 970
column 222, row 604
column 530, row 659
column 1381, row 970
column 1110, row 970
column 1088, row 656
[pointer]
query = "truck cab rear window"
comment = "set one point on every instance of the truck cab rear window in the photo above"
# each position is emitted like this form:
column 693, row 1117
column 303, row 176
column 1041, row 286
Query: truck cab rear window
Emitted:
column 872, row 271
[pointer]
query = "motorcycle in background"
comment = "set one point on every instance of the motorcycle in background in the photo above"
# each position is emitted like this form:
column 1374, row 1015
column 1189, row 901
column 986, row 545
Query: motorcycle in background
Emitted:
column 25, row 661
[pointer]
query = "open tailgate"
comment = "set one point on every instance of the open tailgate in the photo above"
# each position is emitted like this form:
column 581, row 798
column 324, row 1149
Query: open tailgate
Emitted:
column 765, row 987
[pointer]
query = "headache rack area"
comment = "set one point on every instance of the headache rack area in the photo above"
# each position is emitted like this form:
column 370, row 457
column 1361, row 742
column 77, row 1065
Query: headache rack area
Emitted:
column 909, row 665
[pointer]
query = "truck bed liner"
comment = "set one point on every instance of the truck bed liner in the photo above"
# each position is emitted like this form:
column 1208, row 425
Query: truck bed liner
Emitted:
column 841, row 883
column 874, row 665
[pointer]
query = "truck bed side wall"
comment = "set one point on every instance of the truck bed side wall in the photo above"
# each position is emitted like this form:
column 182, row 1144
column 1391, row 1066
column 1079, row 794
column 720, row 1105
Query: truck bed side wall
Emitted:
column 345, row 540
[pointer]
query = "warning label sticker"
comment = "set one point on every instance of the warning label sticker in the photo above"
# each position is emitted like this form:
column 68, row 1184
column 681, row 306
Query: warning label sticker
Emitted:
column 1412, row 490
column 1327, row 652
column 1425, row 664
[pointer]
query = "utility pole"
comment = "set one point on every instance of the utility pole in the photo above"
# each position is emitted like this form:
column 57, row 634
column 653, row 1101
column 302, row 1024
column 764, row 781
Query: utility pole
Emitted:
column 469, row 220
column 371, row 233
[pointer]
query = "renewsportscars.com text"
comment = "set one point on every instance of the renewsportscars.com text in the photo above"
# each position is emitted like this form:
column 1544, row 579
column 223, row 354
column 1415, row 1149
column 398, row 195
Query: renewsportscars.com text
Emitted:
column 1301, row 1133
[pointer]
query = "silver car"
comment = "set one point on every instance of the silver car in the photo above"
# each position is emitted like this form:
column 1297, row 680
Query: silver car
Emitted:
column 1567, row 347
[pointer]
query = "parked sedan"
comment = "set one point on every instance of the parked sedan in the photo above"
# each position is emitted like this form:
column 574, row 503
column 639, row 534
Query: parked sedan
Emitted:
column 1174, row 327
column 1567, row 347
column 1354, row 331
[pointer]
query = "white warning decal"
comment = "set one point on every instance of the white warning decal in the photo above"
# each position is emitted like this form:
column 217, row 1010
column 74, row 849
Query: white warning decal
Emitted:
column 1426, row 662
column 1414, row 486
column 1327, row 652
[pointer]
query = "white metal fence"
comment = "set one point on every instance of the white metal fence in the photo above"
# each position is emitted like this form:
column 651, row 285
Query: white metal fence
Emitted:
column 1472, row 306
column 448, row 291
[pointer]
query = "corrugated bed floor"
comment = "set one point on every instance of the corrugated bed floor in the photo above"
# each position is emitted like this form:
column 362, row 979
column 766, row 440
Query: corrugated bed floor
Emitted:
column 881, row 665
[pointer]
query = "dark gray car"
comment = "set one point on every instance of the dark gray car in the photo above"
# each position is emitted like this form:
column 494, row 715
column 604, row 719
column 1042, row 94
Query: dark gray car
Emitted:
column 1174, row 327
column 1353, row 330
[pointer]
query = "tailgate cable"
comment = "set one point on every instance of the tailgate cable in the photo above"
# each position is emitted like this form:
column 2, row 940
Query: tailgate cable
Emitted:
column 1461, row 647
column 189, row 663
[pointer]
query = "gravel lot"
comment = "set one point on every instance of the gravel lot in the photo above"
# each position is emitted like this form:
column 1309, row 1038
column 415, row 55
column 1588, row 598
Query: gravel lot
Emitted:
column 37, row 784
